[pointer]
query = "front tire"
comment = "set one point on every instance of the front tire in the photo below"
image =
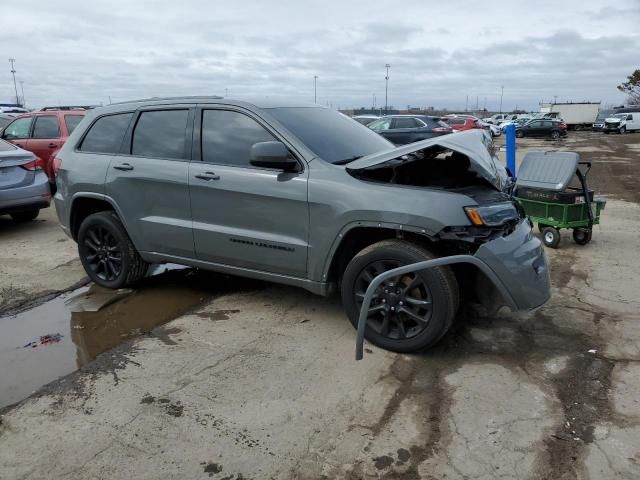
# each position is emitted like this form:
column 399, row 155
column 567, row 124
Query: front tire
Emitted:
column 408, row 313
column 107, row 253
column 551, row 237
column 519, row 134
column 622, row 130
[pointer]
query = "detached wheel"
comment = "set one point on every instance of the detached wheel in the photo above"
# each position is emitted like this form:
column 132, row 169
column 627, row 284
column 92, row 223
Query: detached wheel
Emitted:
column 25, row 216
column 408, row 313
column 551, row 237
column 582, row 236
column 106, row 251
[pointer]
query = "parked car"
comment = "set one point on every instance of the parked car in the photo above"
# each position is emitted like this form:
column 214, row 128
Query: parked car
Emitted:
column 365, row 119
column 622, row 122
column 24, row 187
column 300, row 195
column 6, row 119
column 43, row 133
column 459, row 124
column 598, row 123
column 403, row 129
column 501, row 117
column 542, row 128
column 518, row 121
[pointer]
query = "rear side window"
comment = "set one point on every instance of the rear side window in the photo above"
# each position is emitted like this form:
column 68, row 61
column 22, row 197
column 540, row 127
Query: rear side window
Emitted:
column 72, row 121
column 405, row 123
column 455, row 121
column 227, row 137
column 18, row 129
column 160, row 133
column 105, row 135
column 46, row 127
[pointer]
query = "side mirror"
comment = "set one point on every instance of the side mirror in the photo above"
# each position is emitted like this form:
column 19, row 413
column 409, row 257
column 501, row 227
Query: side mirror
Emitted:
column 272, row 155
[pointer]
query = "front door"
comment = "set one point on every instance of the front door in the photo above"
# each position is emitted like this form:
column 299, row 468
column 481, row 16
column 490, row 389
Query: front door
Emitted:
column 18, row 131
column 245, row 216
column 148, row 181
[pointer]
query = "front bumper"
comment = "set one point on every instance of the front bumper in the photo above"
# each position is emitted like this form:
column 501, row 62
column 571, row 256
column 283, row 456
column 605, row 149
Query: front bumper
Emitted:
column 519, row 262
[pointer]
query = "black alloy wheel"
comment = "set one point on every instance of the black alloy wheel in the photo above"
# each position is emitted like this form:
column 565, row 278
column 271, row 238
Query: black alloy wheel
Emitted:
column 103, row 253
column 401, row 307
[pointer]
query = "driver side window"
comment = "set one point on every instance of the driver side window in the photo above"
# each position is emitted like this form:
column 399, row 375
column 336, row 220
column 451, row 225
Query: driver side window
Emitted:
column 380, row 125
column 19, row 129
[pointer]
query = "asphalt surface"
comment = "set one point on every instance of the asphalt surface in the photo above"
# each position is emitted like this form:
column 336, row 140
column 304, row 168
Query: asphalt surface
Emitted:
column 205, row 376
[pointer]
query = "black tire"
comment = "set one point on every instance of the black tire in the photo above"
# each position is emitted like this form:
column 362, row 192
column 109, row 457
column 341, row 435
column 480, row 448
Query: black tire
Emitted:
column 551, row 237
column 25, row 215
column 622, row 130
column 582, row 236
column 436, row 286
column 107, row 253
column 555, row 134
column 519, row 134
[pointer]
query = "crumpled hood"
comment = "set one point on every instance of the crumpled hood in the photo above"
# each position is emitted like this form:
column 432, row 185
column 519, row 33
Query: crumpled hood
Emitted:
column 475, row 144
column 613, row 120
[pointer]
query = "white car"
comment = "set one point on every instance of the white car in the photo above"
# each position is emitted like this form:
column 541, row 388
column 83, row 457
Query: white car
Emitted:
column 494, row 129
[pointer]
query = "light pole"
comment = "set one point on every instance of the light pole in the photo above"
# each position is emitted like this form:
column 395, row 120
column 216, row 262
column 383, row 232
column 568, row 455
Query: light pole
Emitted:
column 13, row 72
column 315, row 89
column 24, row 103
column 501, row 94
column 386, row 89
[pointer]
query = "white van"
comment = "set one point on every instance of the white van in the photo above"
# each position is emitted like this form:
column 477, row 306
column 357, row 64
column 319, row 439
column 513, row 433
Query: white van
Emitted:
column 622, row 122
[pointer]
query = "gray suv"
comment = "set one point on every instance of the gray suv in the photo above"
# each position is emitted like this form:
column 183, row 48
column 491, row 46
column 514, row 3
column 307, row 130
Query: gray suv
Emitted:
column 300, row 195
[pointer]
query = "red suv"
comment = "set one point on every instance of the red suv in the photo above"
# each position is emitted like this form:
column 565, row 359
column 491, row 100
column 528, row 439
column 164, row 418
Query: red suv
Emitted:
column 43, row 133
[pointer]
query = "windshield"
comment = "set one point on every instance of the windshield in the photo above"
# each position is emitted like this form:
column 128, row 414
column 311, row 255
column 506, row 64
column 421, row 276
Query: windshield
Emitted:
column 332, row 136
column 620, row 115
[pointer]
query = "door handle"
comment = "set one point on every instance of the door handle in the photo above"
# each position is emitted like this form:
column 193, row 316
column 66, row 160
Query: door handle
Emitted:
column 123, row 166
column 208, row 176
column 52, row 145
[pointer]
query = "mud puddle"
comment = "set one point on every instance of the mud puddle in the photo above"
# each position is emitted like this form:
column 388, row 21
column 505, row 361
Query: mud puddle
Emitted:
column 56, row 338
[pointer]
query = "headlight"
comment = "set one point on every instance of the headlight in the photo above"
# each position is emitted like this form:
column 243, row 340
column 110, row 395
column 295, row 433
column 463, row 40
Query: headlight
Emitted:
column 492, row 215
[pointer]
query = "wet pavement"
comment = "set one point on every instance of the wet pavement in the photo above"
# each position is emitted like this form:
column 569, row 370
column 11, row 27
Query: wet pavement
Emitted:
column 57, row 337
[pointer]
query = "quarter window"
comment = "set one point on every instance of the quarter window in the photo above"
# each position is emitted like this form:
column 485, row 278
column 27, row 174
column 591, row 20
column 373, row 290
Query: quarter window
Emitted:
column 72, row 121
column 160, row 133
column 227, row 137
column 46, row 127
column 106, row 134
column 18, row 129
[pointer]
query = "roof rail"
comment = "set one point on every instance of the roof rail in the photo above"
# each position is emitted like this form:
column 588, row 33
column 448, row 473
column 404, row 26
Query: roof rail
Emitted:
column 215, row 97
column 68, row 107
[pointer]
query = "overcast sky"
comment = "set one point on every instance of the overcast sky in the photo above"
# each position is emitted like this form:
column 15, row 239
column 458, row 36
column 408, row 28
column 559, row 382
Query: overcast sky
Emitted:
column 77, row 52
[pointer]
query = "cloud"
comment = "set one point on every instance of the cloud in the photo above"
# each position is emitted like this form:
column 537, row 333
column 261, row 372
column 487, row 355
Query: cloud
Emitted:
column 73, row 52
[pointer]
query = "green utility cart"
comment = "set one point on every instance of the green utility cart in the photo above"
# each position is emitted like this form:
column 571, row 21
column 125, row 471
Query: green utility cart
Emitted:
column 544, row 189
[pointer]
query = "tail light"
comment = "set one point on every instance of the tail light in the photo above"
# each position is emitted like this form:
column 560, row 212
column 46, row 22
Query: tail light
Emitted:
column 57, row 163
column 37, row 164
column 441, row 130
column 563, row 126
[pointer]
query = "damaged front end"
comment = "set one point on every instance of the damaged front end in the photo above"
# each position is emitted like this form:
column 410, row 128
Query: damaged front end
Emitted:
column 493, row 229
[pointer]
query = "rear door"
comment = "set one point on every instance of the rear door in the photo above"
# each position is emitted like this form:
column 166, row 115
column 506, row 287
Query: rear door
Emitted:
column 148, row 180
column 403, row 130
column 245, row 216
column 46, row 138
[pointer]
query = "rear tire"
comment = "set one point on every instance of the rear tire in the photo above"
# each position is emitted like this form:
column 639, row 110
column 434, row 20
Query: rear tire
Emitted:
column 25, row 215
column 409, row 313
column 519, row 134
column 107, row 253
column 551, row 237
column 582, row 236
column 555, row 135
